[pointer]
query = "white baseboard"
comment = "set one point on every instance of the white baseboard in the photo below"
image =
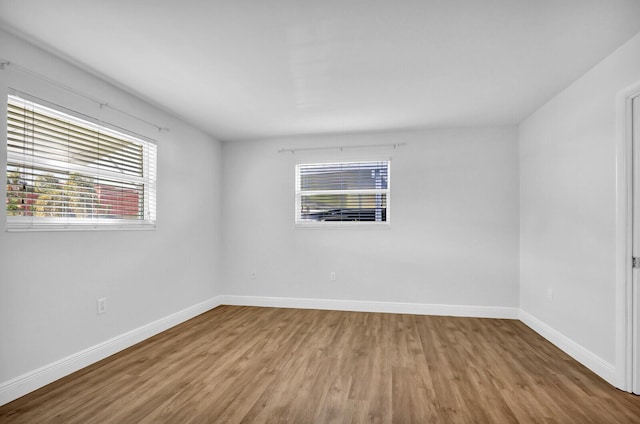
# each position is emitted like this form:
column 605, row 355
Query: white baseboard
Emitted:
column 26, row 383
column 578, row 352
column 366, row 306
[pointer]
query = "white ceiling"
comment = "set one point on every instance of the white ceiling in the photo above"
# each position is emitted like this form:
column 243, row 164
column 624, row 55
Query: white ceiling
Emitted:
column 243, row 69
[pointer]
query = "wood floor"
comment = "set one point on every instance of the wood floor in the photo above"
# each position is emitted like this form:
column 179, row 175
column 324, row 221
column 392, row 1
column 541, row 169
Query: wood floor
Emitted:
column 266, row 365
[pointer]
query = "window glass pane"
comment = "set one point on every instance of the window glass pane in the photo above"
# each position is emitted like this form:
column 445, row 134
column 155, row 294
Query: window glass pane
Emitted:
column 50, row 193
column 344, row 207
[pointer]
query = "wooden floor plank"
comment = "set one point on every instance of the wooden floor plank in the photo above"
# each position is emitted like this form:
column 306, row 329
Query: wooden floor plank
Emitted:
column 267, row 365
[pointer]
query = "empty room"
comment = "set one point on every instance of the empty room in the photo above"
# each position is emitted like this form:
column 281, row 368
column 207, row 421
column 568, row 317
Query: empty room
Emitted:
column 342, row 211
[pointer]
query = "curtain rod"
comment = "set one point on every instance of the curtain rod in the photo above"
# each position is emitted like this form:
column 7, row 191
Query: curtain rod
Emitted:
column 7, row 64
column 341, row 148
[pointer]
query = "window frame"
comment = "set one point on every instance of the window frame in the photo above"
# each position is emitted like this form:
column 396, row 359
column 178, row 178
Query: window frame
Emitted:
column 302, row 224
column 148, row 179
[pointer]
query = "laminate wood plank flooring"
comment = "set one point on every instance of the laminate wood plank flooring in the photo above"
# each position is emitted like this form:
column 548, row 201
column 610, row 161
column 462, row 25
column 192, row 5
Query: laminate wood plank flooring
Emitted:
column 268, row 365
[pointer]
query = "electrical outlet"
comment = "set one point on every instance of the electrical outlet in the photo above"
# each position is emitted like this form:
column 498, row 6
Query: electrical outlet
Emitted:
column 102, row 306
column 332, row 276
column 550, row 294
column 252, row 276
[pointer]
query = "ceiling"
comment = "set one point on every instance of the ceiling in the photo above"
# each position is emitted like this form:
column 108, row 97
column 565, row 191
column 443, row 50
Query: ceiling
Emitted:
column 249, row 69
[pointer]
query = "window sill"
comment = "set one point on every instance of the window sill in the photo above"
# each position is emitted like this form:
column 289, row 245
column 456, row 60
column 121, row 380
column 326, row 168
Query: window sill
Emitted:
column 342, row 226
column 68, row 229
column 23, row 227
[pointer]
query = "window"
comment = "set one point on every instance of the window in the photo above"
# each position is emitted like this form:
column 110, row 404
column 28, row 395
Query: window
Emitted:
column 342, row 192
column 68, row 173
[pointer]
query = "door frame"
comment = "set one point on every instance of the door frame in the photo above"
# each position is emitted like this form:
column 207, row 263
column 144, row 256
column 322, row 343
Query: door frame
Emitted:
column 625, row 321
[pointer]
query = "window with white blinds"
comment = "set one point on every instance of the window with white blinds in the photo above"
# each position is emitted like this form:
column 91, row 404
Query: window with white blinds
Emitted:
column 64, row 172
column 342, row 192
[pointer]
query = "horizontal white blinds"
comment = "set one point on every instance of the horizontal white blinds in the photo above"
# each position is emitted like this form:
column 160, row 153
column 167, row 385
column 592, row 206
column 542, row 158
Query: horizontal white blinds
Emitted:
column 63, row 171
column 344, row 176
column 344, row 191
column 48, row 138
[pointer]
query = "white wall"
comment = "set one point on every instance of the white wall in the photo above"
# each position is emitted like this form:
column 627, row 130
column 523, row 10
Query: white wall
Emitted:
column 453, row 237
column 567, row 206
column 49, row 281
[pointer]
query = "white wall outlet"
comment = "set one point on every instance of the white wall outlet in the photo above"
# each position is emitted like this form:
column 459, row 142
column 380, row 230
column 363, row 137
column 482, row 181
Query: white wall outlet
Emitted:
column 550, row 294
column 332, row 276
column 102, row 305
column 252, row 276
